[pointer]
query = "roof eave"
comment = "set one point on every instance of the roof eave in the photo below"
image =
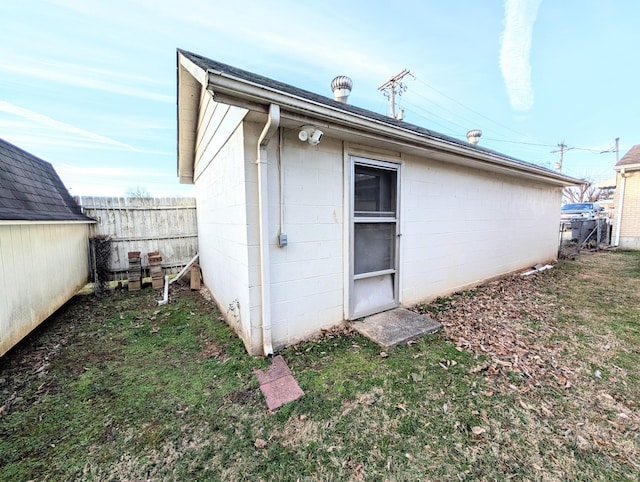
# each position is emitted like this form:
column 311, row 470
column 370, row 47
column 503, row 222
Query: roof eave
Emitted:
column 5, row 222
column 628, row 167
column 191, row 79
column 257, row 97
column 231, row 90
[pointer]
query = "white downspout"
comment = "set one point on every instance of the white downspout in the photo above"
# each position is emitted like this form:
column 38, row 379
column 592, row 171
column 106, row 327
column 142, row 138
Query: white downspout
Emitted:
column 273, row 122
column 620, row 205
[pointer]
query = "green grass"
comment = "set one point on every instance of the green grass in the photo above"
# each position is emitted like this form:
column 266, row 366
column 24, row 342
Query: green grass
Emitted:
column 131, row 391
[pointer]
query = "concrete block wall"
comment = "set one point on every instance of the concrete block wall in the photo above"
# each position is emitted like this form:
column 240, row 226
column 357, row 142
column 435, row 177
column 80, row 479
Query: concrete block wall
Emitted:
column 307, row 274
column 222, row 224
column 461, row 226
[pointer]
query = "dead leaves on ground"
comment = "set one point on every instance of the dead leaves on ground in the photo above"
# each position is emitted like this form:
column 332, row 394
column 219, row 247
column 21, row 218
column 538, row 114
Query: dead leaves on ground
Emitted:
column 512, row 325
column 507, row 321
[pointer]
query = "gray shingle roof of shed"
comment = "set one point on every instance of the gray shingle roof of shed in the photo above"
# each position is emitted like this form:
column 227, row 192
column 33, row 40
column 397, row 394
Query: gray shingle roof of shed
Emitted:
column 208, row 64
column 30, row 189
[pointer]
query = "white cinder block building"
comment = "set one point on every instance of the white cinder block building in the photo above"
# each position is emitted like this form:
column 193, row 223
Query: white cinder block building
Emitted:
column 44, row 244
column 312, row 211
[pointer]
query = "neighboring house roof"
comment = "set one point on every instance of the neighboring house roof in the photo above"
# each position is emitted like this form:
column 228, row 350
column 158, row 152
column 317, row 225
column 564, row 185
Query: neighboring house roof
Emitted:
column 230, row 84
column 30, row 189
column 630, row 160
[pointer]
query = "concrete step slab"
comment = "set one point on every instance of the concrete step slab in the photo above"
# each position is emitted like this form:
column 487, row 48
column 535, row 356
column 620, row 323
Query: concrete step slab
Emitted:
column 397, row 326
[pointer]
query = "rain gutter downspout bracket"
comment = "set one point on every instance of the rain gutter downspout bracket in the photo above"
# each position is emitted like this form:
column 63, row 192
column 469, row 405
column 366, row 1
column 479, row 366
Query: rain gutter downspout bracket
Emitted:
column 273, row 122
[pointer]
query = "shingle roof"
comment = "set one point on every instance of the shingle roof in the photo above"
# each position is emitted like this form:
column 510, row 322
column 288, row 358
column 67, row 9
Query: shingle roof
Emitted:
column 30, row 189
column 208, row 64
column 631, row 157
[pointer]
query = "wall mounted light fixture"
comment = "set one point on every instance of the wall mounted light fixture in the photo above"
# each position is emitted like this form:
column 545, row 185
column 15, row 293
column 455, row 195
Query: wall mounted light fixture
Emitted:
column 310, row 134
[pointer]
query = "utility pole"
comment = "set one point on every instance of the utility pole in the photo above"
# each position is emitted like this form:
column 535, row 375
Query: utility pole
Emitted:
column 393, row 87
column 563, row 147
column 615, row 149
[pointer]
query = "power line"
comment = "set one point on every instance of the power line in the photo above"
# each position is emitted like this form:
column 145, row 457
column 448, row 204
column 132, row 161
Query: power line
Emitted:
column 521, row 142
column 447, row 110
column 394, row 86
column 429, row 116
column 468, row 108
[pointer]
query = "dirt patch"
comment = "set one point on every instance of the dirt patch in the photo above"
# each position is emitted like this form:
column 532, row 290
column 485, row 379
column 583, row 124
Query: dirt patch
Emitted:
column 213, row 350
column 241, row 396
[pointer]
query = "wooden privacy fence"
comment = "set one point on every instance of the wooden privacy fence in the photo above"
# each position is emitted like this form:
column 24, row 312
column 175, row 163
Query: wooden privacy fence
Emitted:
column 166, row 225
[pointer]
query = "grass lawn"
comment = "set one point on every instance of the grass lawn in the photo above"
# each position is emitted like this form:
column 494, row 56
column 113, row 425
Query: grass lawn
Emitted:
column 533, row 378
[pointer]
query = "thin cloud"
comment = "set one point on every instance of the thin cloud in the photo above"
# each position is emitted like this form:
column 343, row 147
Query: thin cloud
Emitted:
column 87, row 77
column 340, row 50
column 111, row 172
column 63, row 127
column 64, row 133
column 519, row 17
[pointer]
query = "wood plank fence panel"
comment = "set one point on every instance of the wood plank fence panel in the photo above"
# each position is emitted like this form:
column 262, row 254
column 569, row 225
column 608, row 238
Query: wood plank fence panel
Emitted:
column 167, row 225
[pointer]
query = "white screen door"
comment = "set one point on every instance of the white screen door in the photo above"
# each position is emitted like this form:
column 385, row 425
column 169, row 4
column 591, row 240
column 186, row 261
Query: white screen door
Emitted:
column 374, row 234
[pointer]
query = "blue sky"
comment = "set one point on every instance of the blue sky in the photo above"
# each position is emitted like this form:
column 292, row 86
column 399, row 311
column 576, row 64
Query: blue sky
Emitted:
column 90, row 86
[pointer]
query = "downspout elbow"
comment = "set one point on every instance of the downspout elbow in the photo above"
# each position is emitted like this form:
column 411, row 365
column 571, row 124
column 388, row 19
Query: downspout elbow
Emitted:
column 273, row 122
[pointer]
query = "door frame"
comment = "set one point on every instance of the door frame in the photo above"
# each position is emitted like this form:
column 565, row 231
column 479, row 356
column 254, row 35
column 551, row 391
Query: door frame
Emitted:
column 395, row 165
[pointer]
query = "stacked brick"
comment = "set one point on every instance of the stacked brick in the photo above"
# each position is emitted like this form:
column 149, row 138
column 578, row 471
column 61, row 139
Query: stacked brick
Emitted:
column 135, row 271
column 155, row 270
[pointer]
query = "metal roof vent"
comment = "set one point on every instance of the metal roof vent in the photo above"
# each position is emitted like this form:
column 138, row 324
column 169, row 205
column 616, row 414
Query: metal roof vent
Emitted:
column 473, row 136
column 341, row 87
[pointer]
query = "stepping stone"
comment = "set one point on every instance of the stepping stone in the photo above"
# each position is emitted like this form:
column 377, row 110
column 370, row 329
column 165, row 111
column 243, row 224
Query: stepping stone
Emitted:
column 393, row 327
column 278, row 384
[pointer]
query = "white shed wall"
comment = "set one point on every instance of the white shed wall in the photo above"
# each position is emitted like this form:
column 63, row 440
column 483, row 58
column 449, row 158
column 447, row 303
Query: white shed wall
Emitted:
column 307, row 274
column 459, row 227
column 221, row 180
column 462, row 226
column 41, row 267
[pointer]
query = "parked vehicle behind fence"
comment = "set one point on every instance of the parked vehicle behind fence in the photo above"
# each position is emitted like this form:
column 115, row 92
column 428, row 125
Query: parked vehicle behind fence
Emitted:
column 583, row 211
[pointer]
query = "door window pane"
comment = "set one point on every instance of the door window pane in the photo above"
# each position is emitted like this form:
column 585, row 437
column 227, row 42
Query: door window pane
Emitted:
column 374, row 191
column 374, row 247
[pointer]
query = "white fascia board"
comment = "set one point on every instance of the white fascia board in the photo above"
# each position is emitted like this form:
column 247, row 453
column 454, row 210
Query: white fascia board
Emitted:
column 628, row 167
column 227, row 87
column 191, row 79
column 195, row 71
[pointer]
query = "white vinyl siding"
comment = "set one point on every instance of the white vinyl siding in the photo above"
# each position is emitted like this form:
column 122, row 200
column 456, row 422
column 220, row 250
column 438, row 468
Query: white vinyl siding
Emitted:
column 42, row 265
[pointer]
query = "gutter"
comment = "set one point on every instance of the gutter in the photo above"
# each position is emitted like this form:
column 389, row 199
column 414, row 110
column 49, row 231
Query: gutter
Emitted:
column 10, row 222
column 273, row 122
column 620, row 206
column 226, row 87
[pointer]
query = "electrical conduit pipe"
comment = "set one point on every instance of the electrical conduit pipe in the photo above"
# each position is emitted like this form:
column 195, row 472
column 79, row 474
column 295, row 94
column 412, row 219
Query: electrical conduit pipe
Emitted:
column 273, row 122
